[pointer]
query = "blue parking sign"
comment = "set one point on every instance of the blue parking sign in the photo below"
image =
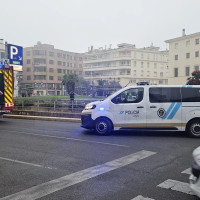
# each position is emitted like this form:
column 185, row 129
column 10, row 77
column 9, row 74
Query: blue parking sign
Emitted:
column 15, row 54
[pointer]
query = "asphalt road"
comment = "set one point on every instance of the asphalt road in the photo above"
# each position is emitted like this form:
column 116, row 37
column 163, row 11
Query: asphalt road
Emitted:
column 59, row 160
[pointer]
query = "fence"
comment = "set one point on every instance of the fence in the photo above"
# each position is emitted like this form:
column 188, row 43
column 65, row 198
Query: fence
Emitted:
column 52, row 105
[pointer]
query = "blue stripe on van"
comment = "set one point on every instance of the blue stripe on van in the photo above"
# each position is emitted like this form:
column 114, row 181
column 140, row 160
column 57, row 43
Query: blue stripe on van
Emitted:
column 168, row 111
column 174, row 111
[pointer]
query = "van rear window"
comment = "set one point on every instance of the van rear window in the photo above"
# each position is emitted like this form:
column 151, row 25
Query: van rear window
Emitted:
column 190, row 94
column 164, row 95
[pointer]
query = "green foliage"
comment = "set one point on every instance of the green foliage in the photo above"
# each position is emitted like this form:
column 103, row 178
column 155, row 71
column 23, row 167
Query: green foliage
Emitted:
column 69, row 81
column 195, row 79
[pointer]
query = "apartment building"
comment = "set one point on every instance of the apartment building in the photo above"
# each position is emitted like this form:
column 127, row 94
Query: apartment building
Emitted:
column 184, row 57
column 2, row 49
column 44, row 67
column 126, row 64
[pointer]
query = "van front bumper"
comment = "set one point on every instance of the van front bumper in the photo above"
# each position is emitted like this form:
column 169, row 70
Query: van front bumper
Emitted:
column 195, row 179
column 87, row 121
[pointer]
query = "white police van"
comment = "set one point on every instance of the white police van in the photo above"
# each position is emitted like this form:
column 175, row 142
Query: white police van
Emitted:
column 146, row 106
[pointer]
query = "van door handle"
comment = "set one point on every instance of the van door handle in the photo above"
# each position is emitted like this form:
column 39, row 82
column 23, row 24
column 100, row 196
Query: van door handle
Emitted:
column 153, row 107
column 140, row 107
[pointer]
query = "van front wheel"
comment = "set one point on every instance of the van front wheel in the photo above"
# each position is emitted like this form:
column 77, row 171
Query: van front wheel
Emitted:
column 103, row 126
column 193, row 128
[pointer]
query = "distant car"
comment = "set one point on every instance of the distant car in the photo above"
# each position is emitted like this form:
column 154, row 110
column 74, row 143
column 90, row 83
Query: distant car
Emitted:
column 195, row 176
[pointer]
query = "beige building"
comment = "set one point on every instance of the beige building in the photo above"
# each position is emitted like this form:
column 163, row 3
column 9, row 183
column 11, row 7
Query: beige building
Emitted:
column 44, row 67
column 126, row 65
column 183, row 57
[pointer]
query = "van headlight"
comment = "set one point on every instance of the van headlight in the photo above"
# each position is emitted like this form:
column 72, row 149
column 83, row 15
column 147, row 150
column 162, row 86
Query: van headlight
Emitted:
column 89, row 107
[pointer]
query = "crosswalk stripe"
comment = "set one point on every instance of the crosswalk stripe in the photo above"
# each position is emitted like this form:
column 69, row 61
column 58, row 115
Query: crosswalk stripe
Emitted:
column 141, row 198
column 49, row 187
column 177, row 186
column 187, row 171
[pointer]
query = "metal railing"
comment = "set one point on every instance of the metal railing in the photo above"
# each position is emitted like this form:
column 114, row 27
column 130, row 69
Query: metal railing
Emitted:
column 58, row 105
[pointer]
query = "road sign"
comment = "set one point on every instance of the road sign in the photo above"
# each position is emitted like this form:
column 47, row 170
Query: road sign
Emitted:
column 15, row 55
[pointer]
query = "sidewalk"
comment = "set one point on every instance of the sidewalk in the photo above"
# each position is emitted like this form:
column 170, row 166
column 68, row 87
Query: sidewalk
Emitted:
column 61, row 119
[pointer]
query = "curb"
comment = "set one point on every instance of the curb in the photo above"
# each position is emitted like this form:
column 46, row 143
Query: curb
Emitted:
column 61, row 119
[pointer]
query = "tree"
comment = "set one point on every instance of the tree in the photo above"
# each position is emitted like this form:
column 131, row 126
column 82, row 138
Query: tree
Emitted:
column 82, row 87
column 69, row 81
column 195, row 79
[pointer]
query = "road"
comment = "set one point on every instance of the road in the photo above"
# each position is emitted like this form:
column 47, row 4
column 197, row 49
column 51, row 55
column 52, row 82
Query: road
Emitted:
column 60, row 161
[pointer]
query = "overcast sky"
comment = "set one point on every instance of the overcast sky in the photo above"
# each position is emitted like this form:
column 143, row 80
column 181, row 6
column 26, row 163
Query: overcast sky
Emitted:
column 74, row 25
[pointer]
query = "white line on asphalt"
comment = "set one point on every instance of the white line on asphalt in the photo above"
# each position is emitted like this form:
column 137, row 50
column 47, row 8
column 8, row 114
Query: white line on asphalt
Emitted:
column 141, row 198
column 74, row 139
column 25, row 163
column 77, row 177
column 177, row 186
column 187, row 171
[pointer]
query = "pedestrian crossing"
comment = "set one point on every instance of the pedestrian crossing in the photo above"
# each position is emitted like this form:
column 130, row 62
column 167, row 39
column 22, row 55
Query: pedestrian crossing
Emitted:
column 173, row 185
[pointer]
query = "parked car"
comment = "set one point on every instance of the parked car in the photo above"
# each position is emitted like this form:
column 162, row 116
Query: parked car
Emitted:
column 195, row 176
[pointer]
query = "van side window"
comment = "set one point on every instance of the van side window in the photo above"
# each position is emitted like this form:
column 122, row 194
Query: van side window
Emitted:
column 190, row 94
column 133, row 95
column 164, row 95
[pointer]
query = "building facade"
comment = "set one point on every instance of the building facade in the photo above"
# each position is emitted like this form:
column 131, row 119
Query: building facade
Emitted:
column 44, row 67
column 126, row 65
column 2, row 49
column 184, row 57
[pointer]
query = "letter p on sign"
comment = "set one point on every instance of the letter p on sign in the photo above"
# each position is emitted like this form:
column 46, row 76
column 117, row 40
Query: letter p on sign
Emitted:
column 13, row 51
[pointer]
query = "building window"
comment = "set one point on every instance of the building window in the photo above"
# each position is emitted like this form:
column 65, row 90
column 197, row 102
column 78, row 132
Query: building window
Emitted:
column 196, row 54
column 142, row 64
column 59, row 55
column 28, row 78
column 155, row 74
column 80, row 66
column 59, row 63
column 59, row 70
column 155, row 65
column 196, row 68
column 161, row 74
column 176, row 57
column 175, row 72
column 187, row 43
column 51, row 54
column 28, row 53
column 39, row 52
column 80, row 72
column 39, row 77
column 28, row 69
column 176, row 45
column 64, row 63
column 38, row 61
column 28, row 61
column 135, row 64
column 51, row 62
column 51, row 70
column 40, row 69
column 187, row 71
column 142, row 56
column 197, row 41
column 147, row 64
column 187, row 55
column 51, row 78
column 59, row 78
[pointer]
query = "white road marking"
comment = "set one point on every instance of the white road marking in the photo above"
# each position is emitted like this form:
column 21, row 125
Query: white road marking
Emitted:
column 77, row 177
column 25, row 163
column 177, row 186
column 187, row 171
column 141, row 198
column 67, row 138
